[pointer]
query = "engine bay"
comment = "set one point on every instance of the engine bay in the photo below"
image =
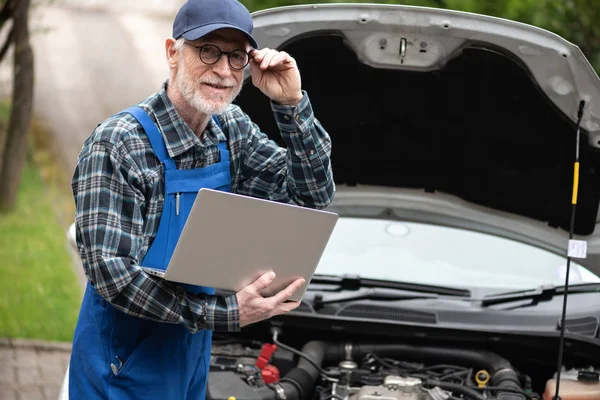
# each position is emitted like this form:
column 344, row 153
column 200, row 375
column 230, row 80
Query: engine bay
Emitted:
column 267, row 368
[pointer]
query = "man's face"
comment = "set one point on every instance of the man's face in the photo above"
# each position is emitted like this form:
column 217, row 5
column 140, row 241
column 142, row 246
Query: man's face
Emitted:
column 210, row 88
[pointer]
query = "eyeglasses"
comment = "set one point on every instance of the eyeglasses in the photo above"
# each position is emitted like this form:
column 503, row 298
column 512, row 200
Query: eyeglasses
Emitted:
column 211, row 54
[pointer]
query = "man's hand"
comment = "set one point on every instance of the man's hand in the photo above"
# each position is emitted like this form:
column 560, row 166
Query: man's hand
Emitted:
column 254, row 307
column 276, row 74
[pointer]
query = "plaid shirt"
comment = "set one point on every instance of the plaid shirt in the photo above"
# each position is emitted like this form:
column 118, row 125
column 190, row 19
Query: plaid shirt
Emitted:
column 119, row 195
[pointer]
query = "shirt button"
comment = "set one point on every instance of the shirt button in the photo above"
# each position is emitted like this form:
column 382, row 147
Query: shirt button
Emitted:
column 312, row 151
column 297, row 117
column 286, row 117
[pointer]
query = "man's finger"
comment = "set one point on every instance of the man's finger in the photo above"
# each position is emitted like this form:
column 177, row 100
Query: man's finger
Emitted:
column 267, row 59
column 280, row 58
column 286, row 307
column 286, row 293
column 263, row 281
column 258, row 55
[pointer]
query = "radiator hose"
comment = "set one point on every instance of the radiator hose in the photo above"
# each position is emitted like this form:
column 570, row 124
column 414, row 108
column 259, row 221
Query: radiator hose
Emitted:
column 300, row 381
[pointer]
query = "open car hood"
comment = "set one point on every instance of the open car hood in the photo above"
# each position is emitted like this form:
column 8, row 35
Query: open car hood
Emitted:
column 446, row 117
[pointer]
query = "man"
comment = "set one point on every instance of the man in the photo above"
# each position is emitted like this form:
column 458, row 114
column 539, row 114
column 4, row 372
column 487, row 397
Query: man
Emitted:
column 139, row 336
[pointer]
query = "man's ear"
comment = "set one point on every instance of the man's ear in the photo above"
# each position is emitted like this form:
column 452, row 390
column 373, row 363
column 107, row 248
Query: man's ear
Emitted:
column 171, row 53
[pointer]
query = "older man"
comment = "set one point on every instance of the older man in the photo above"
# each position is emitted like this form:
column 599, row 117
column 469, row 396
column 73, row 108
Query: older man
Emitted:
column 139, row 336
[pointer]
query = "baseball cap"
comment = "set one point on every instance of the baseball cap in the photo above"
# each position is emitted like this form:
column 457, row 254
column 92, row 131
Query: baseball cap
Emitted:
column 197, row 18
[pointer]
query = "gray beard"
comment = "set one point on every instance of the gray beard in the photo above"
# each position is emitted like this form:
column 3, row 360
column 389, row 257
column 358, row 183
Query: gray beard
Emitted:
column 196, row 99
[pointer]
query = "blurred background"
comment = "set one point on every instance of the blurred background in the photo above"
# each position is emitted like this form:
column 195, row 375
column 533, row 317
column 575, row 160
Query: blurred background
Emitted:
column 66, row 65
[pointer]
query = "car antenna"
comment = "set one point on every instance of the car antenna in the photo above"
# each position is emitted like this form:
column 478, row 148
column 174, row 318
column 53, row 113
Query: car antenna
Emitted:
column 569, row 253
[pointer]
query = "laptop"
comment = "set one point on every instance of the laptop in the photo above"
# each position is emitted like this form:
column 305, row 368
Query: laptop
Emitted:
column 229, row 240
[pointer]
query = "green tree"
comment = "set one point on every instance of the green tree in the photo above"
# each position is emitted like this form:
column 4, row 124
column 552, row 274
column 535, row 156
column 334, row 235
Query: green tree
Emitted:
column 577, row 21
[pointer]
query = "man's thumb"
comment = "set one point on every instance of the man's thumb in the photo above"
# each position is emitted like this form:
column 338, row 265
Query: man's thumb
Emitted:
column 264, row 280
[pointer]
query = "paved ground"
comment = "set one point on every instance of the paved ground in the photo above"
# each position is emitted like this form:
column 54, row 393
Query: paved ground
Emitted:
column 31, row 370
column 34, row 369
column 91, row 63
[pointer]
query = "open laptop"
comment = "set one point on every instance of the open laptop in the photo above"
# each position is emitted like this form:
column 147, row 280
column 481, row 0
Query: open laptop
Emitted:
column 229, row 240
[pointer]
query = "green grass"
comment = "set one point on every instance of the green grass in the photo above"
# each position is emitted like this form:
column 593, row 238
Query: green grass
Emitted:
column 39, row 292
column 4, row 110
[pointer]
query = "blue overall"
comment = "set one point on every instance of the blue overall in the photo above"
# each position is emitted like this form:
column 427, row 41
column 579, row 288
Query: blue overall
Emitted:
column 119, row 356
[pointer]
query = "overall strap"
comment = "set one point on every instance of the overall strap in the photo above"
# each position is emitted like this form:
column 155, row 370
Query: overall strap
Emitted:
column 156, row 140
column 222, row 146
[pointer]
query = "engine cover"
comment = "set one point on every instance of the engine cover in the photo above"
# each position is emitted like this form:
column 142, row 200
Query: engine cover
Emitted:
column 393, row 388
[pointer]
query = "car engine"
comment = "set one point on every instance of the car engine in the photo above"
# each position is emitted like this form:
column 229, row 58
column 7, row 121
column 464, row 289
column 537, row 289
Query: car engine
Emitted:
column 253, row 370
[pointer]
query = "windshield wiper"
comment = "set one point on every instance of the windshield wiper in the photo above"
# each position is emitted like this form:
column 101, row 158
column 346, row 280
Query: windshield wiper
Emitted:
column 349, row 282
column 371, row 294
column 543, row 293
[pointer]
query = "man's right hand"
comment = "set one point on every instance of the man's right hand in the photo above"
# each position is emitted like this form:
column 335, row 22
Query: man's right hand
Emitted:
column 253, row 307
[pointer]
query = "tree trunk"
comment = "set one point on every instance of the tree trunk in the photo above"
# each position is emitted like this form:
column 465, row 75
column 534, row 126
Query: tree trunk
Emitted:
column 6, row 45
column 7, row 11
column 22, row 103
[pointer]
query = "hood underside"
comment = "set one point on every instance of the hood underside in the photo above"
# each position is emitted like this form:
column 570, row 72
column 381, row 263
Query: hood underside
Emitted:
column 477, row 125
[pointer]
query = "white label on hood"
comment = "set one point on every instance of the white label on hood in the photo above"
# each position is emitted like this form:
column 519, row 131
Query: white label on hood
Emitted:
column 577, row 248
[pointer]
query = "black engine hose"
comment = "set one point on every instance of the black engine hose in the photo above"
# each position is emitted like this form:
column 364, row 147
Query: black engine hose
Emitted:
column 300, row 381
column 480, row 359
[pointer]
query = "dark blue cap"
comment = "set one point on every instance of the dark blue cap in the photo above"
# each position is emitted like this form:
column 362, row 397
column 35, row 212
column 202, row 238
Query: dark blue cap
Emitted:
column 197, row 18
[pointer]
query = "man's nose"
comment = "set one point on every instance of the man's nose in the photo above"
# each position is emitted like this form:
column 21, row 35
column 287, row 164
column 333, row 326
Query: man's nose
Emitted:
column 222, row 67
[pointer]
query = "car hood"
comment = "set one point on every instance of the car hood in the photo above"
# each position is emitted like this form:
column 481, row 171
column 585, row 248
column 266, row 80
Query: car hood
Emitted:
column 446, row 117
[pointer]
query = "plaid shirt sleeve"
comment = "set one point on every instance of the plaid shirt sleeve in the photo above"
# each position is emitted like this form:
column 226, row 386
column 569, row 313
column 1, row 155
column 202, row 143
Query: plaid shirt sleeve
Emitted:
column 108, row 189
column 302, row 174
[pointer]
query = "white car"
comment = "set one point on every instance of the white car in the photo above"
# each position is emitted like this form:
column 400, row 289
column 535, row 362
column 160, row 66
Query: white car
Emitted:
column 455, row 138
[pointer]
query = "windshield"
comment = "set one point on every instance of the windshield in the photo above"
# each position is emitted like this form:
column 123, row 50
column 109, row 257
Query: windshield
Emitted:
column 442, row 256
